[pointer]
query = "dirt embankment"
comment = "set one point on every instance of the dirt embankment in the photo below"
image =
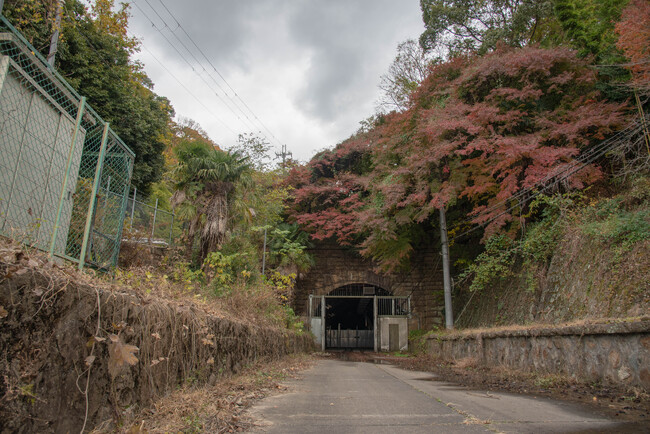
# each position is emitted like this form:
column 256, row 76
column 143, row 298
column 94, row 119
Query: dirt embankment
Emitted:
column 76, row 353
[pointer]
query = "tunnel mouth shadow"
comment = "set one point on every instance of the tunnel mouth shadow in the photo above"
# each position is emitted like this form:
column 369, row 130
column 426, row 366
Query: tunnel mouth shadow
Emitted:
column 350, row 323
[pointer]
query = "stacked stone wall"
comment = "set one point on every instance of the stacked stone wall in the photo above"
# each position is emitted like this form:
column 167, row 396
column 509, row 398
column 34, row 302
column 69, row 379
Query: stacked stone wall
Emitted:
column 610, row 353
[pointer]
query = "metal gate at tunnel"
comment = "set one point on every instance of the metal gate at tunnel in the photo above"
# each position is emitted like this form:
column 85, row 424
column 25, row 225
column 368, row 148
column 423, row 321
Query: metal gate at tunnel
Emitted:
column 360, row 317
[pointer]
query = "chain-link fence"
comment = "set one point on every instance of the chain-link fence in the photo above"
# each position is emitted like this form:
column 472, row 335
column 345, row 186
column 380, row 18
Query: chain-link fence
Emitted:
column 64, row 174
column 150, row 224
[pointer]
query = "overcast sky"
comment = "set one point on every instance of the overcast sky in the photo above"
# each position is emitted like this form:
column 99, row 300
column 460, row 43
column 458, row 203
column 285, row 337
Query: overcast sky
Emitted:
column 307, row 69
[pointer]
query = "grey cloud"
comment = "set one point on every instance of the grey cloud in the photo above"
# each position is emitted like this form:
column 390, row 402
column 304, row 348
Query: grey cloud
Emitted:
column 222, row 29
column 349, row 44
column 346, row 40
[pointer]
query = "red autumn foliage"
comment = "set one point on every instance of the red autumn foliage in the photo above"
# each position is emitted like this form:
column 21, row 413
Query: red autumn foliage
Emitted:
column 329, row 191
column 634, row 40
column 478, row 130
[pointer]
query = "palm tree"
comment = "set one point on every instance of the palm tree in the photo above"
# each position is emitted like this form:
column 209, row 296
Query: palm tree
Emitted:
column 205, row 177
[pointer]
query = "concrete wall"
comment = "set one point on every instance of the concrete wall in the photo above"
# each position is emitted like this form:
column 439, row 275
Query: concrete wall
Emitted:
column 336, row 266
column 384, row 337
column 617, row 353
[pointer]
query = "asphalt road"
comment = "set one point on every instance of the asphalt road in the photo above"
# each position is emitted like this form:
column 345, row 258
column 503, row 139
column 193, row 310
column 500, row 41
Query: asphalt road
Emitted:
column 337, row 396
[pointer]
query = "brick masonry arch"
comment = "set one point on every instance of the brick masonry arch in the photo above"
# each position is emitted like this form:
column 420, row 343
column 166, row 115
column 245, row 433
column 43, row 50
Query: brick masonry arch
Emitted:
column 336, row 266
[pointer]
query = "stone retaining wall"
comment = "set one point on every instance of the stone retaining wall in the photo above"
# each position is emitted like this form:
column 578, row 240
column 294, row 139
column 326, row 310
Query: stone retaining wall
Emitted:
column 615, row 353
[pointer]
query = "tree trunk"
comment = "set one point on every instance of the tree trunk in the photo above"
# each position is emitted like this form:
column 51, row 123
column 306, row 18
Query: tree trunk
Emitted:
column 216, row 222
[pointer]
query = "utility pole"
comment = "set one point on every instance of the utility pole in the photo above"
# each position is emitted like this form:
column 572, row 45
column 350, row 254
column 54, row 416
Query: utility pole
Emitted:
column 54, row 42
column 449, row 316
column 284, row 154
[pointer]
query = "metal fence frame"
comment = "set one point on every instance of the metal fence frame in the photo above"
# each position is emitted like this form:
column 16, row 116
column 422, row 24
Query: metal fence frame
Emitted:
column 64, row 173
column 150, row 224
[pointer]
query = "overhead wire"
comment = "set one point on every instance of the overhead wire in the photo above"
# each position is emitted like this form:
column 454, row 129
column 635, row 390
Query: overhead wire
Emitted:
column 187, row 90
column 187, row 62
column 233, row 101
column 178, row 25
column 218, row 73
column 108, row 64
column 575, row 166
column 166, row 26
column 552, row 174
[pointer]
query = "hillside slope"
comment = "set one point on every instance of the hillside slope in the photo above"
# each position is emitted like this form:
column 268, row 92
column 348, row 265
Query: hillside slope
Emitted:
column 597, row 266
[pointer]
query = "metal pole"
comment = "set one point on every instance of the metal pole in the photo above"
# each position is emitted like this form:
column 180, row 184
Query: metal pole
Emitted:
column 338, row 338
column 376, row 334
column 449, row 317
column 323, row 311
column 646, row 134
column 2, row 3
column 54, row 42
column 153, row 226
column 135, row 190
column 108, row 190
column 91, row 206
column 171, row 229
column 264, row 254
column 64, row 187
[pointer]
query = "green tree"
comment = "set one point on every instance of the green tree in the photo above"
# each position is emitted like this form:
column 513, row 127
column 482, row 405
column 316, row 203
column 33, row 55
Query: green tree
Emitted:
column 256, row 148
column 589, row 25
column 409, row 68
column 94, row 55
column 469, row 25
column 205, row 178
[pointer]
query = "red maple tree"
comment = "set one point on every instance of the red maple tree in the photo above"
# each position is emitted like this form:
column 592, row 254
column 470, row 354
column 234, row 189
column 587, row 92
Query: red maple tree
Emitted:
column 478, row 130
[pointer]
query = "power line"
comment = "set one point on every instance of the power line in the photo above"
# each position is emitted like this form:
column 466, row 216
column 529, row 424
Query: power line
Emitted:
column 553, row 174
column 218, row 73
column 233, row 101
column 188, row 91
column 188, row 62
column 220, row 76
column 108, row 64
column 173, row 32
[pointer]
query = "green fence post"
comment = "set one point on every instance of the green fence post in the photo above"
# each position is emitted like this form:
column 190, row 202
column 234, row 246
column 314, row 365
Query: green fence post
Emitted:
column 171, row 230
column 66, row 178
column 153, row 226
column 135, row 190
column 93, row 196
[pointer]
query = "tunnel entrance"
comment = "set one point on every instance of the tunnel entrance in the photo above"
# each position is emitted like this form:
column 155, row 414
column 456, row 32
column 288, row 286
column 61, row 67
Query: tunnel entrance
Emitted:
column 360, row 316
column 350, row 323
column 350, row 319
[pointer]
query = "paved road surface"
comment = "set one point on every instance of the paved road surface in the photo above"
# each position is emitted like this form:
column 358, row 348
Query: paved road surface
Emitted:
column 355, row 397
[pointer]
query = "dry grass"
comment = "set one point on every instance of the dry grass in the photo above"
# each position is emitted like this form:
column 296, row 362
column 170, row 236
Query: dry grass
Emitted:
column 214, row 409
column 253, row 305
column 256, row 304
column 181, row 336
column 535, row 326
column 467, row 363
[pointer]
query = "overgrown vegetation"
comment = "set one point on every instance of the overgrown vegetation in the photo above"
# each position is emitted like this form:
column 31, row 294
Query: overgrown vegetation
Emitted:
column 520, row 91
column 616, row 224
column 120, row 343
